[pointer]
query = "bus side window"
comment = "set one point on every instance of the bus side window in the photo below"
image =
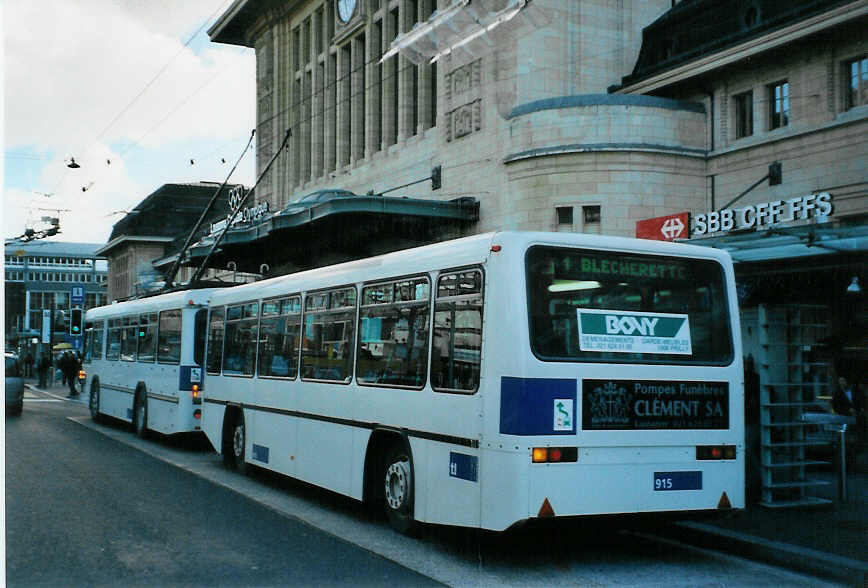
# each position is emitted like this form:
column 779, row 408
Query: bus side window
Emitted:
column 457, row 345
column 242, row 325
column 393, row 335
column 279, row 328
column 200, row 325
column 215, row 341
column 328, row 339
column 97, row 342
column 88, row 343
column 147, row 337
column 169, row 337
column 113, row 351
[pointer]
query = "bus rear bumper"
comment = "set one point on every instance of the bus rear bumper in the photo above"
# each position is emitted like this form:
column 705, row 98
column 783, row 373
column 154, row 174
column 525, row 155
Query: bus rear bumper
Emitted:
column 576, row 489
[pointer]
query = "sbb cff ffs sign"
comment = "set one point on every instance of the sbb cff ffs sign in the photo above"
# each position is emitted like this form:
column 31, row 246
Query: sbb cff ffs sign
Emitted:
column 664, row 228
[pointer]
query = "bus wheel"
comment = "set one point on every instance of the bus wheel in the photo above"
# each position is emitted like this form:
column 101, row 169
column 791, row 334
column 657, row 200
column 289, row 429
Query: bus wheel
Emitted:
column 140, row 415
column 237, row 441
column 93, row 402
column 397, row 479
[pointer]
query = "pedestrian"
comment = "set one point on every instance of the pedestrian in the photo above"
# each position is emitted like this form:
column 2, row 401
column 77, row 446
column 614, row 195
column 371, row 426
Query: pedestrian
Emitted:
column 28, row 365
column 69, row 365
column 847, row 400
column 59, row 362
column 42, row 367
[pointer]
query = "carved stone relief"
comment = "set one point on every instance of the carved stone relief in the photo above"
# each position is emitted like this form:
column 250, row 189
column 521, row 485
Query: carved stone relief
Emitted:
column 464, row 87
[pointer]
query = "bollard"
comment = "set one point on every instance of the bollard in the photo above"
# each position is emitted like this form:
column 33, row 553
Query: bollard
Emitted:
column 842, row 470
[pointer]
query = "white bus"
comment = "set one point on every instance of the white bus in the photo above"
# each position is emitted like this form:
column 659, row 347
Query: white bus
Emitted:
column 489, row 380
column 144, row 361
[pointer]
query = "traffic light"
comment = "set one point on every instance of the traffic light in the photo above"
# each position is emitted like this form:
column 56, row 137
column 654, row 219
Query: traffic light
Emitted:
column 75, row 322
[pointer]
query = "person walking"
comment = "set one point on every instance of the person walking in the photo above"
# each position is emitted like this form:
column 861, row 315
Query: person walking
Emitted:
column 69, row 366
column 42, row 368
column 28, row 365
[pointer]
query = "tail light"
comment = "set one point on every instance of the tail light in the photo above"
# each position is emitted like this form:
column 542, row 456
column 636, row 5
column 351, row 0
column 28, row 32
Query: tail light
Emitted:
column 82, row 374
column 715, row 452
column 554, row 454
column 197, row 414
column 195, row 390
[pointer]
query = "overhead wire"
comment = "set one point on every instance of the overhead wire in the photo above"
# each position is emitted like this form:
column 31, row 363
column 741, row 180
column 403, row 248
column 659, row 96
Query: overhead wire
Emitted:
column 141, row 92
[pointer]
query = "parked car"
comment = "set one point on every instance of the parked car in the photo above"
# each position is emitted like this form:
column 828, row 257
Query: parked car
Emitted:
column 14, row 385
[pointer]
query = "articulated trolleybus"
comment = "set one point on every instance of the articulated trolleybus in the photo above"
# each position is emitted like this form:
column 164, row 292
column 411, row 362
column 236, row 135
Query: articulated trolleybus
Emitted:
column 144, row 360
column 489, row 380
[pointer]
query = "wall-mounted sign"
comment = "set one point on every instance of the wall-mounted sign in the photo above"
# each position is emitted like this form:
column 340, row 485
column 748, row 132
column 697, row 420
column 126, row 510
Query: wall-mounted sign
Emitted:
column 236, row 194
column 766, row 214
column 664, row 228
column 249, row 214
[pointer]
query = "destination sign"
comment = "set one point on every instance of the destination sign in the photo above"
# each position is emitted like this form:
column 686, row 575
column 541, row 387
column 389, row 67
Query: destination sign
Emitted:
column 618, row 266
column 654, row 404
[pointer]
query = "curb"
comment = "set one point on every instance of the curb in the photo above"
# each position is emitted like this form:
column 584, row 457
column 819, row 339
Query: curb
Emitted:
column 803, row 559
column 78, row 399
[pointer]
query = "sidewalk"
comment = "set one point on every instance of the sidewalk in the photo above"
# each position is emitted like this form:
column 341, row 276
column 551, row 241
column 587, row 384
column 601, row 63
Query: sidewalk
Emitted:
column 57, row 389
column 829, row 541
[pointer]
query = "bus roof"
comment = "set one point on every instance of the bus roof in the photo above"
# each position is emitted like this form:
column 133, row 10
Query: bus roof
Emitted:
column 446, row 254
column 153, row 303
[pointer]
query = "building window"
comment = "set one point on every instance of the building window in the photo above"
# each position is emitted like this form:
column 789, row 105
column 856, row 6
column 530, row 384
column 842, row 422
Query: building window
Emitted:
column 591, row 219
column 743, row 109
column 855, row 82
column 779, row 105
column 565, row 218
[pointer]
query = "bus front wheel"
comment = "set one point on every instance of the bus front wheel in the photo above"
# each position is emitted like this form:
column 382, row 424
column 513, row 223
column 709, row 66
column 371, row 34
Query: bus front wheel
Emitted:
column 397, row 480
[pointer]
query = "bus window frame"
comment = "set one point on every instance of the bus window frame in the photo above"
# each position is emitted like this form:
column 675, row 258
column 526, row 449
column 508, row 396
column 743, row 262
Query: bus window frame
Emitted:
column 130, row 323
column 297, row 373
column 429, row 301
column 326, row 311
column 99, row 327
column 481, row 294
column 156, row 326
column 160, row 332
column 671, row 360
column 114, row 326
column 227, row 322
column 211, row 311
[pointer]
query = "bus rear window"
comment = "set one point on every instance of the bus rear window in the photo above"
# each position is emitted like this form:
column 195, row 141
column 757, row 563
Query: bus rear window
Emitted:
column 626, row 308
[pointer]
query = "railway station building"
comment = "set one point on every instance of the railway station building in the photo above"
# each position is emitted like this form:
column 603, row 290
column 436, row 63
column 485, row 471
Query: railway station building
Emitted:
column 737, row 124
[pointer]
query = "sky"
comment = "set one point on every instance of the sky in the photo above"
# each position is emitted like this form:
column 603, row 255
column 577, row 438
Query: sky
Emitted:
column 129, row 89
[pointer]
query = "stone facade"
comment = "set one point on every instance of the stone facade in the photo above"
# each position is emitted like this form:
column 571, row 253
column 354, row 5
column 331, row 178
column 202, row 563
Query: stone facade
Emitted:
column 129, row 265
column 524, row 121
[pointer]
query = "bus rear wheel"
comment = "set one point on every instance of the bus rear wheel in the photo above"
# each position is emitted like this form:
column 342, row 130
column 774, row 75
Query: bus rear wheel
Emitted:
column 140, row 415
column 397, row 480
column 233, row 450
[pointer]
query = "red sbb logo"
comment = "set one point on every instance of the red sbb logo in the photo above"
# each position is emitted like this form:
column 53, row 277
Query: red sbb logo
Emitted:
column 664, row 228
